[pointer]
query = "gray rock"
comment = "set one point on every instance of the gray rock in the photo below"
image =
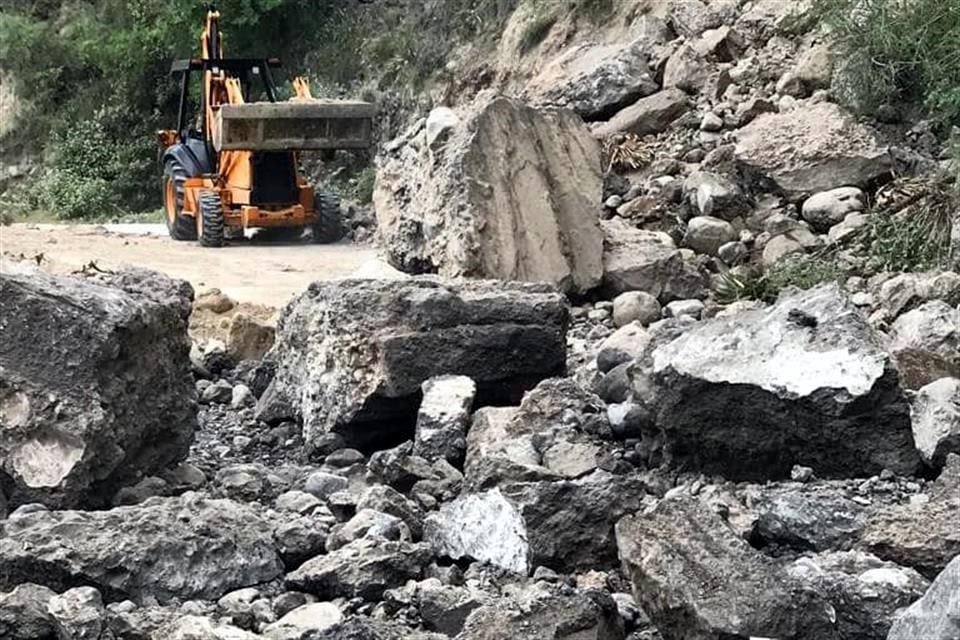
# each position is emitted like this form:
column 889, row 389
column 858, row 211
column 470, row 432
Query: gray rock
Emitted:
column 445, row 608
column 779, row 248
column 596, row 80
column 681, row 308
column 441, row 123
column 192, row 627
column 733, row 253
column 387, row 500
column 514, row 227
column 220, row 392
column 715, row 195
column 546, row 615
column 806, row 381
column 816, row 516
column 241, row 397
column 706, row 234
column 829, row 208
column 935, row 616
column 685, row 70
column 638, row 260
column 297, row 502
column 556, row 432
column 622, row 346
column 138, row 552
column 921, row 534
column 570, row 523
column 817, row 148
column 653, row 114
column 933, row 327
column 362, row 569
column 485, row 527
column 691, row 18
column 367, row 523
column 936, row 420
column 304, row 622
column 865, row 593
column 850, row 225
column 95, row 383
column 352, row 355
column 24, row 614
column 78, row 614
column 711, row 122
column 443, row 418
column 635, row 306
column 696, row 578
column 322, row 484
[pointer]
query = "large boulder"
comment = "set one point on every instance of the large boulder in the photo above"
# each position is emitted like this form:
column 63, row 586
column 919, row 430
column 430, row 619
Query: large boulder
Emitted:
column 698, row 580
column 558, row 431
column 508, row 192
column 164, row 548
column 639, row 260
column 95, row 384
column 653, row 114
column 807, row 381
column 597, row 80
column 816, row 147
column 352, row 355
column 935, row 616
column 566, row 525
column 864, row 592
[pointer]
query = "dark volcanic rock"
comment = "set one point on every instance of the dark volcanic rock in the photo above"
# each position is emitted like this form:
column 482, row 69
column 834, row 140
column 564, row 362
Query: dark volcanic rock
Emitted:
column 806, row 381
column 166, row 548
column 352, row 355
column 95, row 384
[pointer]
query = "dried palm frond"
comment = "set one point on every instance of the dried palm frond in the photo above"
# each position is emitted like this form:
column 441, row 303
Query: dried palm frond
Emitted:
column 626, row 151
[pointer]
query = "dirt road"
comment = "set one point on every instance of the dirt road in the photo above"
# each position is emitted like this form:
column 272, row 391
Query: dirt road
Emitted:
column 247, row 271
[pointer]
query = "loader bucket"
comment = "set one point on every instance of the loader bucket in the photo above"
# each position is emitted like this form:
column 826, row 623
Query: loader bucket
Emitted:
column 294, row 125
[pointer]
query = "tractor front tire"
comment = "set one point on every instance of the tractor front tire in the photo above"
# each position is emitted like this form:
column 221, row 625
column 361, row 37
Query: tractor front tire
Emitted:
column 179, row 226
column 328, row 226
column 211, row 220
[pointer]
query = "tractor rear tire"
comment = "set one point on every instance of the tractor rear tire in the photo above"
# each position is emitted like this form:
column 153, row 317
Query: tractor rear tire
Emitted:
column 328, row 227
column 179, row 226
column 211, row 220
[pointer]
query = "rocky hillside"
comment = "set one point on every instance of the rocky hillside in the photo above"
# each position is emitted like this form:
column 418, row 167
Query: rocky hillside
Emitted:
column 676, row 356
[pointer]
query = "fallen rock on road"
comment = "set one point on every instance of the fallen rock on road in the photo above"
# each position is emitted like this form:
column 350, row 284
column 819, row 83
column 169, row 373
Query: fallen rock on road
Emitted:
column 95, row 384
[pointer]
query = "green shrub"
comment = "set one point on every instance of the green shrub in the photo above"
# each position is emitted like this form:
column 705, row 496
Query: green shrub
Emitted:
column 897, row 50
column 803, row 271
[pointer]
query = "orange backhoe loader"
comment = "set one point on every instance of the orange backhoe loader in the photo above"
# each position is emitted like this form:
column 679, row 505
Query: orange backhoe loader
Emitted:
column 237, row 168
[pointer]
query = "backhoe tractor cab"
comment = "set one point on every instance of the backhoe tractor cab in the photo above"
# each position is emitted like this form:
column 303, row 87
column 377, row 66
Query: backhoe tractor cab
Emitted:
column 237, row 168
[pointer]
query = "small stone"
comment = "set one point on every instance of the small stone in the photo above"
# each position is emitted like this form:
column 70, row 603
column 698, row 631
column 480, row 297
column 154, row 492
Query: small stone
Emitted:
column 598, row 315
column 799, row 473
column 214, row 300
column 220, row 392
column 680, row 308
column 711, row 122
column 344, row 458
column 613, row 202
column 732, row 253
column 636, row 306
column 829, row 208
column 322, row 484
column 706, row 234
column 241, row 396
